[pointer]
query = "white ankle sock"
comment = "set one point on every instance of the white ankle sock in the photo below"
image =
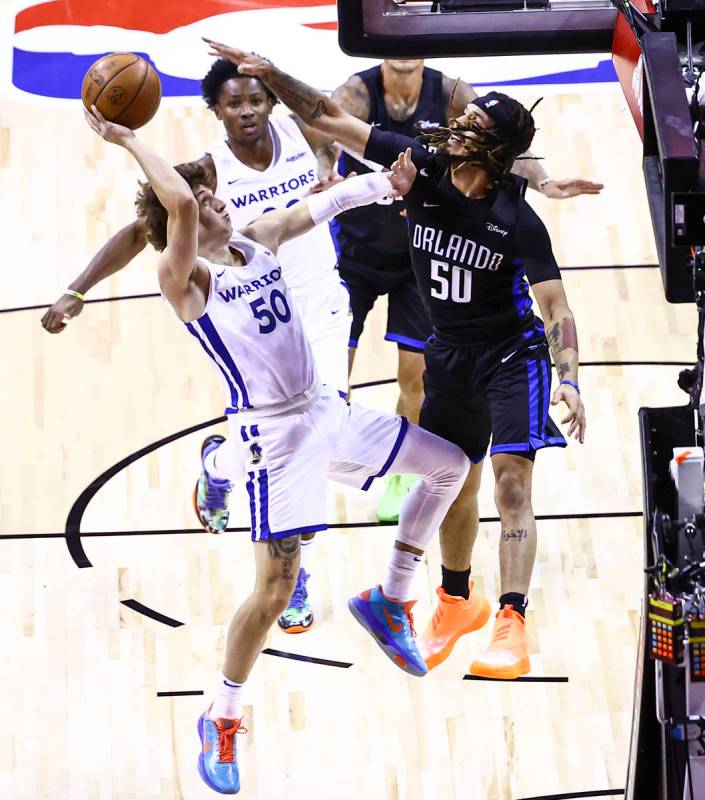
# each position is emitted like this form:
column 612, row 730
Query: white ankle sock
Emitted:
column 227, row 703
column 400, row 572
column 306, row 554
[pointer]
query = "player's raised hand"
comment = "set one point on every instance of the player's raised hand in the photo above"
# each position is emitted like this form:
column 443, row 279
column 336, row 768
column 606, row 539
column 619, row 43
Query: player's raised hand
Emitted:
column 67, row 306
column 109, row 131
column 571, row 187
column 576, row 410
column 402, row 174
column 247, row 63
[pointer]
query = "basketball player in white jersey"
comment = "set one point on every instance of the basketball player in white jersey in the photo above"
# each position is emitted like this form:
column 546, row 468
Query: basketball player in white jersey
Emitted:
column 261, row 163
column 288, row 433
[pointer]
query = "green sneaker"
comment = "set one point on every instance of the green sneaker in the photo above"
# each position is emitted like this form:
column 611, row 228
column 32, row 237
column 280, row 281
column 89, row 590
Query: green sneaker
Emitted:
column 390, row 504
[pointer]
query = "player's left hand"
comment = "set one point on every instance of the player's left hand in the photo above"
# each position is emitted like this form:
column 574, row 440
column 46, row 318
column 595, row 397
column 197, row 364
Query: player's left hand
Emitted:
column 576, row 410
column 571, row 187
column 402, row 174
column 109, row 131
column 247, row 63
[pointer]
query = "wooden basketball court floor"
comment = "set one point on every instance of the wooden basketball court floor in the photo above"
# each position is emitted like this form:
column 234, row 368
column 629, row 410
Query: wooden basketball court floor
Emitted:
column 100, row 695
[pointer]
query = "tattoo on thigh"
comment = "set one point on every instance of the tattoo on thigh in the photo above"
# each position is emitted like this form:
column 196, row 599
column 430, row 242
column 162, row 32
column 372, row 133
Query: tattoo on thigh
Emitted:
column 520, row 534
column 285, row 550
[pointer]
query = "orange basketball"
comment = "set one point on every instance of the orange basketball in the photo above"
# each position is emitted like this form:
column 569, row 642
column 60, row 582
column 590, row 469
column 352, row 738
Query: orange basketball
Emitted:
column 124, row 87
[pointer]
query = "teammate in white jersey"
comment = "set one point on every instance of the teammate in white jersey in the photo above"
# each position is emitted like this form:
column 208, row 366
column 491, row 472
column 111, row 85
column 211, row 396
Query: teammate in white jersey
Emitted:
column 262, row 163
column 287, row 432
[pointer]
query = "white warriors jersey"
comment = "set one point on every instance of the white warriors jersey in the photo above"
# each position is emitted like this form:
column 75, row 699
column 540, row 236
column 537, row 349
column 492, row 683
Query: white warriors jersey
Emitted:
column 252, row 333
column 308, row 261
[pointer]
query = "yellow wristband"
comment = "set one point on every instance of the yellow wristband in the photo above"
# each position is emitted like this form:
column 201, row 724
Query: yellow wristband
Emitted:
column 76, row 294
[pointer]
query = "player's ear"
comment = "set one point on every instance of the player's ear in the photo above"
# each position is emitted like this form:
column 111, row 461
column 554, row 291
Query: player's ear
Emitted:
column 216, row 110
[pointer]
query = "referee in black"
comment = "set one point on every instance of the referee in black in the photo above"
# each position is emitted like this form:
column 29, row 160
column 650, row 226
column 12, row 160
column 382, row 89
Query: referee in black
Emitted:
column 476, row 246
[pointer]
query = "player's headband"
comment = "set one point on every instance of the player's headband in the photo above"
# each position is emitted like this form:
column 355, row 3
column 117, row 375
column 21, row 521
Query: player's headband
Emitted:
column 503, row 110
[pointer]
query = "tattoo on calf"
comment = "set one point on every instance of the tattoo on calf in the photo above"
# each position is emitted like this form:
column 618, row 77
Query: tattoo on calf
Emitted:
column 520, row 534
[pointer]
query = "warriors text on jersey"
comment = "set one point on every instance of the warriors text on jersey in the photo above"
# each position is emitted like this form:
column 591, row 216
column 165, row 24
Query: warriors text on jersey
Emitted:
column 376, row 234
column 252, row 332
column 471, row 258
column 309, row 260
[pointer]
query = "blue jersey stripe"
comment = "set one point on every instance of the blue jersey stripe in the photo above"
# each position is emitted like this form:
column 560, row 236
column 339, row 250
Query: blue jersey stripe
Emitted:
column 234, row 397
column 217, row 344
column 533, row 400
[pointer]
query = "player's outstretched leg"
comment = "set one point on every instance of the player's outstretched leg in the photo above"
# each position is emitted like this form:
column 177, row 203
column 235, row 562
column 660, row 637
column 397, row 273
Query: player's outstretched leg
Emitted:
column 276, row 563
column 210, row 497
column 385, row 611
column 507, row 656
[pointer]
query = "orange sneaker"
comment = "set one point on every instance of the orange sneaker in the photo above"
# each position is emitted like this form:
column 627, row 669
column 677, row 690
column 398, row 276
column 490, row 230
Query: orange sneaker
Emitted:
column 453, row 618
column 507, row 657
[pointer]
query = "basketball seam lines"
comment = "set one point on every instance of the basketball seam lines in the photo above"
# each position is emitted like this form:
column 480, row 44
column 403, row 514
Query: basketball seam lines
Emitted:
column 122, row 69
column 137, row 93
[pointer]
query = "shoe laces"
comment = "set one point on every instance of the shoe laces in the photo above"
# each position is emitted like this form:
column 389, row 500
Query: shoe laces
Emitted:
column 410, row 617
column 216, row 492
column 299, row 595
column 226, row 741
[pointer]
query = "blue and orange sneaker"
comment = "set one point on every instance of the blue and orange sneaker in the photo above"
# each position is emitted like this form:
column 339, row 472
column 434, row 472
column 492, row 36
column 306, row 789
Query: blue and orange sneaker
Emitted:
column 210, row 497
column 217, row 762
column 298, row 617
column 392, row 627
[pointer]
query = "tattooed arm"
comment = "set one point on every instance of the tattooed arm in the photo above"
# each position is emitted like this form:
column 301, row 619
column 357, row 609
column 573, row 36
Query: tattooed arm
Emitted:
column 315, row 108
column 563, row 343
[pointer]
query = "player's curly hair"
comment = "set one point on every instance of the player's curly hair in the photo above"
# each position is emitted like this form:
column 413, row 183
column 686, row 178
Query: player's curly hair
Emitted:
column 153, row 214
column 493, row 149
column 223, row 70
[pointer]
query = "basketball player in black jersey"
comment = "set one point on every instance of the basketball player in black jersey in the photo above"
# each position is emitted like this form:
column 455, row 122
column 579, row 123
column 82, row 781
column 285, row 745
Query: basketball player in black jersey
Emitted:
column 403, row 96
column 474, row 243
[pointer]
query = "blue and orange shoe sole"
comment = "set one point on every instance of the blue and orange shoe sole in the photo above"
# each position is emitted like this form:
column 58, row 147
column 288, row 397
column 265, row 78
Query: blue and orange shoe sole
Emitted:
column 370, row 623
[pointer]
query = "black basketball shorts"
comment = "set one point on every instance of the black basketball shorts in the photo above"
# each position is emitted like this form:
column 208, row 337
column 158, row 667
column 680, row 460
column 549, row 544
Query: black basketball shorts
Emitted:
column 407, row 322
column 500, row 391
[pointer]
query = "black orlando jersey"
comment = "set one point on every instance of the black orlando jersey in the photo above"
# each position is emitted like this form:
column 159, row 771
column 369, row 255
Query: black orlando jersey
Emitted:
column 473, row 259
column 376, row 234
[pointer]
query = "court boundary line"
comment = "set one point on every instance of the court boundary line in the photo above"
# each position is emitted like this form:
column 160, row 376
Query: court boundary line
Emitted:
column 331, row 526
column 146, row 295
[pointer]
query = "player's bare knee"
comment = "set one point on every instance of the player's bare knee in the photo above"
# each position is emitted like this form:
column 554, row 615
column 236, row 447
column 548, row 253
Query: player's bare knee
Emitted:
column 511, row 494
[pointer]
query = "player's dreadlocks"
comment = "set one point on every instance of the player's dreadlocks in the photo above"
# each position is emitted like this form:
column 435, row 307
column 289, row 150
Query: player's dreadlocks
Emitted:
column 493, row 149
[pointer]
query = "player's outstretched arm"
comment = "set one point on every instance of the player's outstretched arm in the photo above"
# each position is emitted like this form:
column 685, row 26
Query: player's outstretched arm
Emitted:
column 178, row 261
column 563, row 343
column 315, row 108
column 115, row 254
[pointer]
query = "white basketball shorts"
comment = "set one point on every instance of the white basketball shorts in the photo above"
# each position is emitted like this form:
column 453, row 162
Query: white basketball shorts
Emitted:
column 326, row 319
column 287, row 460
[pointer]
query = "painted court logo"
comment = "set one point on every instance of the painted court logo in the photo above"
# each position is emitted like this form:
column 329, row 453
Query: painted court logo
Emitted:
column 54, row 43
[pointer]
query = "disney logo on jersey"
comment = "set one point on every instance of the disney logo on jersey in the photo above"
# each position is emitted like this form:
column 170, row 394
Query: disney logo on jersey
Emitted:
column 457, row 248
column 278, row 190
column 495, row 228
column 235, row 292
